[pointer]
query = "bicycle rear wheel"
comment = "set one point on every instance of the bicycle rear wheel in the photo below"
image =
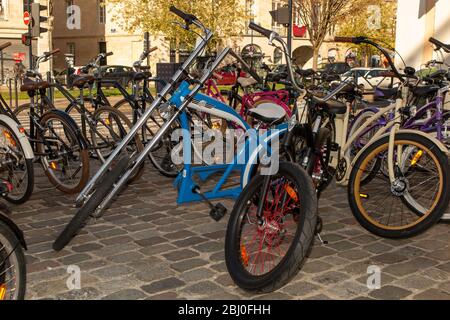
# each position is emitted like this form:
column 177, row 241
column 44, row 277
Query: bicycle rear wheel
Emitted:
column 103, row 188
column 109, row 129
column 160, row 155
column 64, row 159
column 12, row 266
column 414, row 202
column 263, row 254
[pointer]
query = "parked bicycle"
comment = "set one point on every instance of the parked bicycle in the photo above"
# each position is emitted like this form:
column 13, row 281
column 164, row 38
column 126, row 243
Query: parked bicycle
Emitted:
column 13, row 276
column 54, row 136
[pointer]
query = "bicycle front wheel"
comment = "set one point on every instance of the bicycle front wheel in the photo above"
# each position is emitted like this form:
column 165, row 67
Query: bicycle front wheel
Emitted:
column 102, row 189
column 12, row 266
column 417, row 198
column 263, row 253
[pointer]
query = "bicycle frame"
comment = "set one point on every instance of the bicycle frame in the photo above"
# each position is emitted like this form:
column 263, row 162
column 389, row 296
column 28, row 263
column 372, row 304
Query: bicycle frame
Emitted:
column 254, row 143
column 83, row 196
column 392, row 127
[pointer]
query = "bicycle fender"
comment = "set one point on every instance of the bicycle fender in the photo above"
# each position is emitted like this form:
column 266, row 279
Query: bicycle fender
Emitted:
column 251, row 163
column 23, row 139
column 433, row 140
column 14, row 228
column 79, row 135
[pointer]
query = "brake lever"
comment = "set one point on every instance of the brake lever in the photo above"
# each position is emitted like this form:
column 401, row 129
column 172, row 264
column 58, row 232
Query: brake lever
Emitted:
column 183, row 26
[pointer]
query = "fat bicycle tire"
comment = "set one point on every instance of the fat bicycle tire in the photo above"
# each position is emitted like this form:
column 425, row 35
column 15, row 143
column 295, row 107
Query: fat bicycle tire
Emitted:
column 301, row 244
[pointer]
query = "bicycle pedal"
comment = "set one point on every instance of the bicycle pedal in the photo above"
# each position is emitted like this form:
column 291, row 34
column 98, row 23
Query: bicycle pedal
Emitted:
column 218, row 212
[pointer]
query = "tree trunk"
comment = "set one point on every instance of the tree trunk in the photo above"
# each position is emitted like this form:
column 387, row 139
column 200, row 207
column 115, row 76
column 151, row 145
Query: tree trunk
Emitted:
column 315, row 57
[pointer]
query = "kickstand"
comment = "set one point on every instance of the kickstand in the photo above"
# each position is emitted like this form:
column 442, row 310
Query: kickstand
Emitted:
column 319, row 228
column 324, row 242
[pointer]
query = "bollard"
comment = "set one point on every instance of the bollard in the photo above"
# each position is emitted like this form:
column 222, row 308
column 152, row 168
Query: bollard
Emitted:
column 10, row 91
column 16, row 92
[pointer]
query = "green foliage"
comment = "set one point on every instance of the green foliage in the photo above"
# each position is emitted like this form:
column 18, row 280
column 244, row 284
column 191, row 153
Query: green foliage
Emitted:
column 226, row 18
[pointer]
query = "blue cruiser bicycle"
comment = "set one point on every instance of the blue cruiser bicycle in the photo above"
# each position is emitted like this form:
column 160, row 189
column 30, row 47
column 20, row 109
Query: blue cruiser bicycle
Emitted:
column 272, row 225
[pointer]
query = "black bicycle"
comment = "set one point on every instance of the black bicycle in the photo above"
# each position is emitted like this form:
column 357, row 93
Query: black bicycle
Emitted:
column 55, row 138
column 12, row 258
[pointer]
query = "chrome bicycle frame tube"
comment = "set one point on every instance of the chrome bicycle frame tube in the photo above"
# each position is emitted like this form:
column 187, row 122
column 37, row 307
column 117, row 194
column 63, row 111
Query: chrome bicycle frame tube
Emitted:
column 134, row 130
column 208, row 73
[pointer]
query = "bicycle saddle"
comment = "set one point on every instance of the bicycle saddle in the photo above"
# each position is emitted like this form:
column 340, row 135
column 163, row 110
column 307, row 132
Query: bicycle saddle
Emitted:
column 305, row 73
column 139, row 76
column 31, row 85
column 386, row 93
column 246, row 82
column 426, row 90
column 80, row 81
column 268, row 112
column 333, row 106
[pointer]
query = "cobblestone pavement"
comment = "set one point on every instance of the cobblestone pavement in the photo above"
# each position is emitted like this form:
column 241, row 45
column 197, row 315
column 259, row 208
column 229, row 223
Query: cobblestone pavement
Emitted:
column 147, row 247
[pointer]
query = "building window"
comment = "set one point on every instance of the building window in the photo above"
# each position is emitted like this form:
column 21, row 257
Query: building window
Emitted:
column 101, row 11
column 3, row 9
column 249, row 9
column 71, row 48
column 69, row 3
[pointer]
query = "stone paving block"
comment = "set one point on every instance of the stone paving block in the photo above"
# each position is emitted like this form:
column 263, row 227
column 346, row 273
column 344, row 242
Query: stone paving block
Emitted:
column 390, row 292
column 180, row 255
column 300, row 288
column 188, row 264
column 163, row 285
column 127, row 294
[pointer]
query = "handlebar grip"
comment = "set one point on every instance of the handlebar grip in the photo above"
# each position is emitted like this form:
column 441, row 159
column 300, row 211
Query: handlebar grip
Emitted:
column 5, row 45
column 256, row 27
column 54, row 51
column 109, row 54
column 345, row 39
column 153, row 49
column 436, row 42
column 189, row 18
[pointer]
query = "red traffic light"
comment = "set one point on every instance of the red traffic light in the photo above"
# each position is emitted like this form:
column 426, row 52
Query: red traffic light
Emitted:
column 26, row 39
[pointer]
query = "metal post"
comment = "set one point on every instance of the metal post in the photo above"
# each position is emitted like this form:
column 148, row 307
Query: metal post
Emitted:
column 10, row 80
column 3, row 71
column 16, row 91
column 30, row 49
column 291, row 18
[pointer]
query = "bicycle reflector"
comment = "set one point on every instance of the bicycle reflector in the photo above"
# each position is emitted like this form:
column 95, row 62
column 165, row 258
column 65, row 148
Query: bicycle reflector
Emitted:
column 2, row 291
column 244, row 255
column 291, row 192
column 53, row 165
column 417, row 157
column 10, row 138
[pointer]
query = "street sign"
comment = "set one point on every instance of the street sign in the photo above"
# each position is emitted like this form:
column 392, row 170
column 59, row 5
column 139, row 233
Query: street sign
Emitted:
column 26, row 18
